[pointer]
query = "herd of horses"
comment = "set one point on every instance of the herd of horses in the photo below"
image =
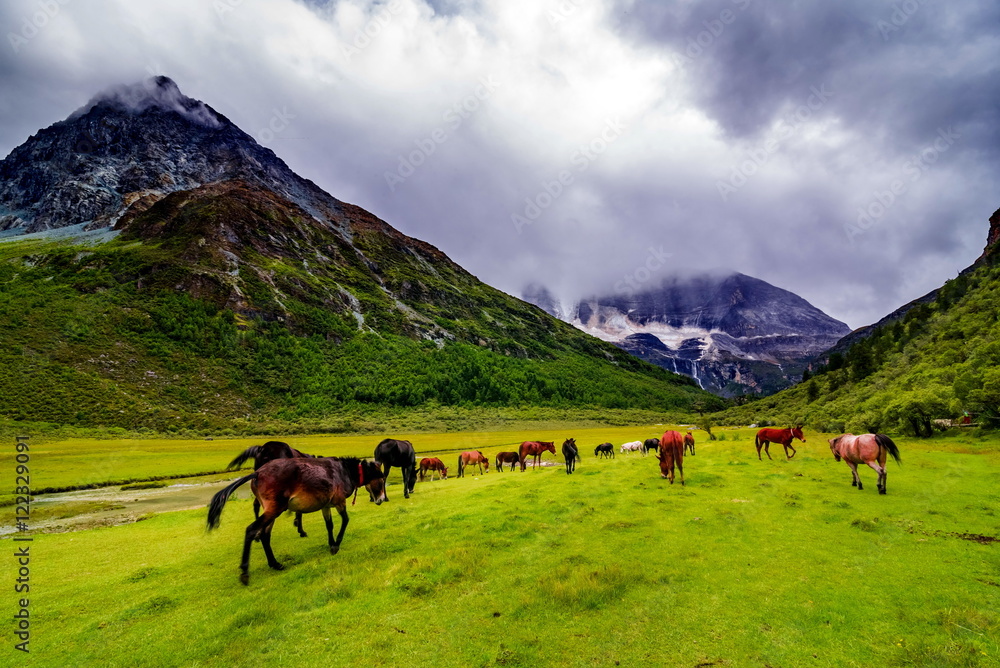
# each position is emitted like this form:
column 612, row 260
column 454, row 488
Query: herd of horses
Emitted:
column 287, row 479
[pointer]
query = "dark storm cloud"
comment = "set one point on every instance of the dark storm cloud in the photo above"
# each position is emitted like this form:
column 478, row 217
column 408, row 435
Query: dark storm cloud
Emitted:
column 846, row 151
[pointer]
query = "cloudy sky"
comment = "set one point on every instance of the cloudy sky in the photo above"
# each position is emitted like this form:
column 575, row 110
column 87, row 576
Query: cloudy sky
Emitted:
column 847, row 151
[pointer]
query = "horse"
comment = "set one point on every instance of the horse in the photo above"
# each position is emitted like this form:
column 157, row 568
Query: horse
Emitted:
column 650, row 444
column 511, row 458
column 304, row 486
column 671, row 452
column 432, row 464
column 765, row 437
column 632, row 446
column 605, row 450
column 688, row 443
column 570, row 453
column 263, row 454
column 870, row 449
column 472, row 457
column 535, row 449
column 391, row 452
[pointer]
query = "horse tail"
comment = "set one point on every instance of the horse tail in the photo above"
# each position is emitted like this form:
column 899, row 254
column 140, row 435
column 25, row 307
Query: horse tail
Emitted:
column 884, row 441
column 249, row 453
column 220, row 498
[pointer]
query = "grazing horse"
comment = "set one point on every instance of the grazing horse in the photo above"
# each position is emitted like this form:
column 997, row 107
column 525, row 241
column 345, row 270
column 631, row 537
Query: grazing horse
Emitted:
column 263, row 454
column 765, row 437
column 868, row 449
column 650, row 444
column 511, row 458
column 632, row 446
column 432, row 464
column 671, row 452
column 570, row 453
column 605, row 450
column 688, row 443
column 391, row 452
column 535, row 449
column 473, row 457
column 303, row 486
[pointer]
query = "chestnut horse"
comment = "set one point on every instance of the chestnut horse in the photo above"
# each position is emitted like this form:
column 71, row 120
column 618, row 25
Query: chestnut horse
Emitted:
column 535, row 449
column 263, row 454
column 570, row 453
column 671, row 452
column 870, row 449
column 472, row 457
column 605, row 450
column 511, row 458
column 650, row 444
column 688, row 443
column 391, row 452
column 303, row 486
column 432, row 464
column 765, row 437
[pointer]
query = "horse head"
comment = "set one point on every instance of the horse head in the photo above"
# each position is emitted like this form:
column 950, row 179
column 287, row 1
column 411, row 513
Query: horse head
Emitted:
column 550, row 446
column 797, row 433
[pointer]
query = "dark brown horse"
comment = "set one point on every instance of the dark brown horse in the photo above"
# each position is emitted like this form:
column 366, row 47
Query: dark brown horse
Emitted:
column 671, row 453
column 650, row 444
column 765, row 437
column 570, row 454
column 534, row 449
column 605, row 450
column 262, row 454
column 511, row 458
column 472, row 457
column 303, row 486
column 391, row 452
column 432, row 464
column 870, row 449
column 688, row 443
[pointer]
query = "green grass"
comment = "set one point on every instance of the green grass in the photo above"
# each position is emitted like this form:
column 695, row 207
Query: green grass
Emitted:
column 752, row 563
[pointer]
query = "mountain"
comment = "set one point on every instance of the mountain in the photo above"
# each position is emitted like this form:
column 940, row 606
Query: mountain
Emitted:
column 935, row 359
column 733, row 334
column 159, row 268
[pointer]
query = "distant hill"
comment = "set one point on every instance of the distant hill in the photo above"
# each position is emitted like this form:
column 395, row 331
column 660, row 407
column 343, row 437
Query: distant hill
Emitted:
column 937, row 358
column 733, row 334
column 161, row 269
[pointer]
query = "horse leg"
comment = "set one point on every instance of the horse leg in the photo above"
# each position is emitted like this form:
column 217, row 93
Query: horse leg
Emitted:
column 298, row 525
column 880, row 470
column 787, row 446
column 265, row 542
column 342, row 511
column 857, row 478
column 680, row 468
column 252, row 534
column 328, row 518
column 759, row 444
column 406, row 481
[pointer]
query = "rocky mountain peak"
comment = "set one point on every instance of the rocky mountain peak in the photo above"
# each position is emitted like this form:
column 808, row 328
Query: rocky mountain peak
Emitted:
column 157, row 92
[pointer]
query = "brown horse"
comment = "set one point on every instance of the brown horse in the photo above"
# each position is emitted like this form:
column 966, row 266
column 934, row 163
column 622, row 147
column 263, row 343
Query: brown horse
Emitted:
column 263, row 454
column 570, row 454
column 765, row 437
column 671, row 452
column 511, row 458
column 432, row 464
column 688, row 443
column 870, row 449
column 534, row 449
column 303, row 486
column 472, row 457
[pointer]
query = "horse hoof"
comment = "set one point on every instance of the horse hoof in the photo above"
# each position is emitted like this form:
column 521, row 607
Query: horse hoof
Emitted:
column 276, row 566
column 334, row 549
column 303, row 534
column 245, row 578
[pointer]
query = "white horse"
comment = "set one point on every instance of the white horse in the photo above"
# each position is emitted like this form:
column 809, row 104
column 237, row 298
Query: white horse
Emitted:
column 634, row 446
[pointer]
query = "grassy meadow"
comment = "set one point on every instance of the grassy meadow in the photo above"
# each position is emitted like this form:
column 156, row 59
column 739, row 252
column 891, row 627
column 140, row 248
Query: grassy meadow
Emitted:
column 774, row 563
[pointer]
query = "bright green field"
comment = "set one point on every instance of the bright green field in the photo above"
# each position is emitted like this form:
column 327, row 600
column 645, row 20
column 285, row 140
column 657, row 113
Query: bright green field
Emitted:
column 751, row 564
